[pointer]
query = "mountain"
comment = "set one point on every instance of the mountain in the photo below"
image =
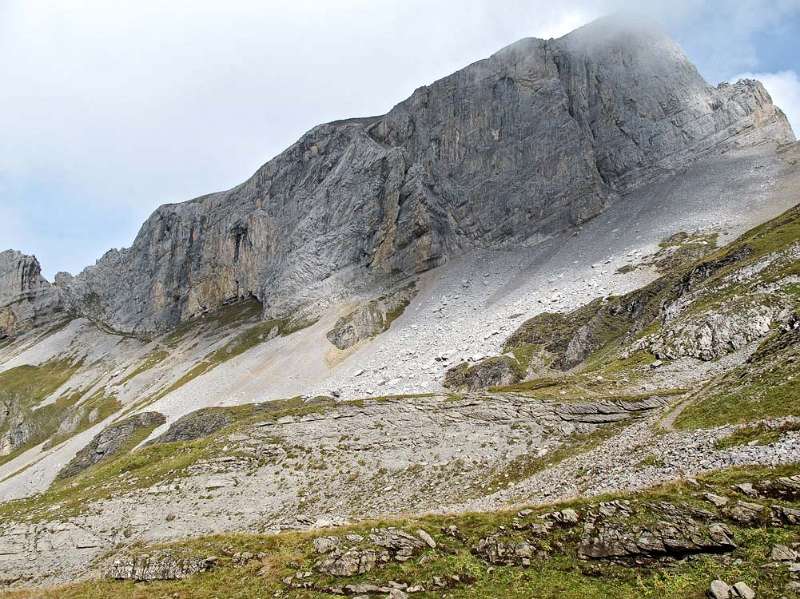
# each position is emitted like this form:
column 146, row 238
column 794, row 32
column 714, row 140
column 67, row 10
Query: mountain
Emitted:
column 538, row 138
column 534, row 332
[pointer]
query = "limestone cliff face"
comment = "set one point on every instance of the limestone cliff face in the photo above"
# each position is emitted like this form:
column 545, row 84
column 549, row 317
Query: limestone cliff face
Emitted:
column 537, row 138
column 26, row 298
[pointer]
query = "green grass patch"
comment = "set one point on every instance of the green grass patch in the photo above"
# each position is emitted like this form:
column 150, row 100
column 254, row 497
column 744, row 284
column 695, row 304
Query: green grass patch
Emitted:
column 583, row 387
column 757, row 434
column 766, row 387
column 650, row 461
column 153, row 359
column 752, row 402
column 526, row 465
column 23, row 388
column 32, row 384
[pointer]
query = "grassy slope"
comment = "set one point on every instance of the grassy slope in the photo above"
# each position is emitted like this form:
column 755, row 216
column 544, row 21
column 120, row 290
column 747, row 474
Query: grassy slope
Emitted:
column 562, row 575
column 23, row 388
column 765, row 387
column 145, row 467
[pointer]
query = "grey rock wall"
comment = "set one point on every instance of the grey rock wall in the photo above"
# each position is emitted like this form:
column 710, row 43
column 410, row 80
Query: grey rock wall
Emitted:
column 26, row 298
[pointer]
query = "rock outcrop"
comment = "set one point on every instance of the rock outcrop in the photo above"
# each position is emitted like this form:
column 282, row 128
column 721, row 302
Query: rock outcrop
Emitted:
column 536, row 139
column 158, row 566
column 195, row 425
column 370, row 318
column 714, row 334
column 608, row 534
column 110, row 441
column 26, row 298
column 489, row 372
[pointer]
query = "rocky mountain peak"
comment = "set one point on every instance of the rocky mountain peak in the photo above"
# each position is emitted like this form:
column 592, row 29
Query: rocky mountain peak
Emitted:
column 536, row 139
column 26, row 297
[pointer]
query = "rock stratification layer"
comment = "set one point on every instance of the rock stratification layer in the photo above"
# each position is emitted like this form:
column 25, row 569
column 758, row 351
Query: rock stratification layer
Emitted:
column 538, row 138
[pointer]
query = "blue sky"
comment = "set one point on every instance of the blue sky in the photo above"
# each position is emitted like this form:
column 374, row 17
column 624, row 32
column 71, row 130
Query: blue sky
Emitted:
column 112, row 108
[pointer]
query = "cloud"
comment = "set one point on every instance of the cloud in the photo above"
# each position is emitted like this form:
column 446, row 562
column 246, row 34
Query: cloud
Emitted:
column 112, row 108
column 784, row 87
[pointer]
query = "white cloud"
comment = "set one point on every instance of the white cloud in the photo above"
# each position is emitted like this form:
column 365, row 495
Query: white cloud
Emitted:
column 784, row 87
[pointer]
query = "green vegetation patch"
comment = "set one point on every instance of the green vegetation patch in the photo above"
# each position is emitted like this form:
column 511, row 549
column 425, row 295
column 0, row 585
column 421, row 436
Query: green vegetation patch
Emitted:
column 32, row 384
column 757, row 434
column 22, row 389
column 526, row 465
column 584, row 386
column 767, row 386
column 153, row 359
column 683, row 249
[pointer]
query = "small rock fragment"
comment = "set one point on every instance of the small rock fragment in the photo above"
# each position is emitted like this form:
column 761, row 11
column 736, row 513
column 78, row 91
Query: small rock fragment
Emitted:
column 427, row 538
column 744, row 591
column 717, row 500
column 719, row 590
column 326, row 544
column 782, row 553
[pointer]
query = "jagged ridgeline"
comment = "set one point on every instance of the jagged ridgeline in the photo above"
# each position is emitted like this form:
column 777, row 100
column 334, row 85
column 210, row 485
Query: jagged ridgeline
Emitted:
column 567, row 274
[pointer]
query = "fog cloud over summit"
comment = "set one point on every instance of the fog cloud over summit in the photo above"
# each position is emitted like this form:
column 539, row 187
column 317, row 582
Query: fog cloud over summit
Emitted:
column 112, row 108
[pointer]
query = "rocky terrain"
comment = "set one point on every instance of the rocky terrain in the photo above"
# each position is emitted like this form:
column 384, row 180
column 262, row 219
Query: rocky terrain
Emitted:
column 567, row 274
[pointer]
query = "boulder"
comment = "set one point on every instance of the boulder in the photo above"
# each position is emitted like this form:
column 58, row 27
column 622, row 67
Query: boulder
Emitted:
column 785, row 515
column 785, row 487
column 668, row 531
column 349, row 555
column 717, row 500
column 782, row 553
column 370, row 318
column 500, row 549
column 741, row 589
column 160, row 566
column 195, row 425
column 348, row 563
column 719, row 590
column 489, row 372
column 748, row 513
column 324, row 545
column 427, row 538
